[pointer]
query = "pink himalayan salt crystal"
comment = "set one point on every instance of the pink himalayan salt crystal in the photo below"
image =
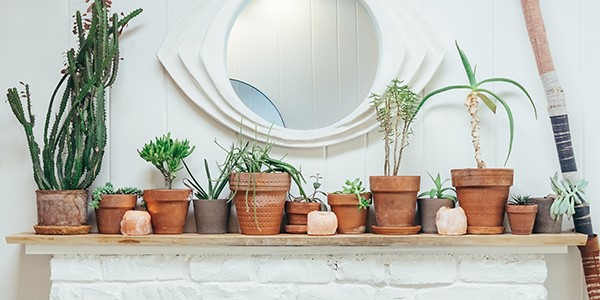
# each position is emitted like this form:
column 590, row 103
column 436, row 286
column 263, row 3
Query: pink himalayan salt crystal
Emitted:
column 321, row 223
column 451, row 221
column 136, row 222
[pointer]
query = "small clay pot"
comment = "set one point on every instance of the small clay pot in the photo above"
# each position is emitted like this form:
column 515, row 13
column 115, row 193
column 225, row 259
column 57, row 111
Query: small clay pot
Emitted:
column 111, row 212
column 168, row 209
column 521, row 218
column 543, row 220
column 297, row 214
column 350, row 218
column 212, row 216
column 61, row 208
column 428, row 209
column 395, row 199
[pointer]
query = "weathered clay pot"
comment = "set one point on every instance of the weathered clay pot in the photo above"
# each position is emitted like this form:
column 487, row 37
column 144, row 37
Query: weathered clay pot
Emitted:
column 395, row 199
column 428, row 209
column 111, row 212
column 212, row 216
column 259, row 201
column 350, row 218
column 482, row 193
column 543, row 220
column 168, row 209
column 61, row 208
column 521, row 218
column 297, row 214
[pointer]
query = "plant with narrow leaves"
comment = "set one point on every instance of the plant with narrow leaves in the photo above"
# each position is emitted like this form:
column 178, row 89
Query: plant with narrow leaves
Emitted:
column 314, row 196
column 568, row 194
column 75, row 128
column 520, row 200
column 109, row 189
column 166, row 154
column 355, row 187
column 476, row 93
column 439, row 191
column 395, row 111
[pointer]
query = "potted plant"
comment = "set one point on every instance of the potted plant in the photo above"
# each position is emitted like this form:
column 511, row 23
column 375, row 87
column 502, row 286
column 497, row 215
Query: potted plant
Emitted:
column 439, row 196
column 351, row 206
column 570, row 195
column 297, row 208
column 544, row 222
column 74, row 129
column 395, row 196
column 482, row 192
column 168, row 207
column 111, row 205
column 521, row 214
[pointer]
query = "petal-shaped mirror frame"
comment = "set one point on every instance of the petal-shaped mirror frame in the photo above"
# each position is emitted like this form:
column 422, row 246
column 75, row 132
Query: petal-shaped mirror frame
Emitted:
column 194, row 54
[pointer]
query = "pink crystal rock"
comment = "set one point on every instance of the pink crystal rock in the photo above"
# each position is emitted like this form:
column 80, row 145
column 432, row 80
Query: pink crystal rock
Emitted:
column 451, row 221
column 136, row 222
column 321, row 223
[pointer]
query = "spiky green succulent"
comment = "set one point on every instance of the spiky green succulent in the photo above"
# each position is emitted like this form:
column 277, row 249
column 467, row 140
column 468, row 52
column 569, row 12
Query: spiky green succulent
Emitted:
column 355, row 187
column 439, row 191
column 109, row 189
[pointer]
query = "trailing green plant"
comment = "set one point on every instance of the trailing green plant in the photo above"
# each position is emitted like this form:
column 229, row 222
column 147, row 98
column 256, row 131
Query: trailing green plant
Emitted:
column 476, row 93
column 166, row 154
column 520, row 200
column 75, row 128
column 109, row 189
column 439, row 191
column 395, row 110
column 355, row 187
column 568, row 195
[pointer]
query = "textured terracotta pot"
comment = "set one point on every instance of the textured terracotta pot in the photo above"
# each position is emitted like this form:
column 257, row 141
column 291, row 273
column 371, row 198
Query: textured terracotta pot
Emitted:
column 428, row 209
column 168, row 209
column 212, row 216
column 259, row 201
column 521, row 218
column 111, row 212
column 543, row 220
column 350, row 218
column 61, row 208
column 482, row 193
column 395, row 199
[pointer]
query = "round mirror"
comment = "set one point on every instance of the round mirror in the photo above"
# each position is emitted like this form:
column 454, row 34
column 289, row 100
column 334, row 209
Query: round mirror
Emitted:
column 314, row 61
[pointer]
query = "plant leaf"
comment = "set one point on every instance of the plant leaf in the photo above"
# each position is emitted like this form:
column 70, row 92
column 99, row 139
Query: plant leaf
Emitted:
column 467, row 66
column 500, row 79
column 511, row 123
column 441, row 90
column 491, row 105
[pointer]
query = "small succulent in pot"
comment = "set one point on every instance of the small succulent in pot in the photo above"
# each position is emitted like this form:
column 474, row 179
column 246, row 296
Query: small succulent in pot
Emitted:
column 355, row 187
column 298, row 208
column 111, row 204
column 520, row 200
column 109, row 189
column 350, row 205
column 439, row 191
column 521, row 214
column 439, row 196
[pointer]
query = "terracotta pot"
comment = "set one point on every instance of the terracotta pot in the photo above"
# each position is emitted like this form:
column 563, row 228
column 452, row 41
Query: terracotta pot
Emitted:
column 395, row 199
column 61, row 208
column 297, row 212
column 428, row 209
column 212, row 216
column 111, row 212
column 521, row 218
column 350, row 218
column 259, row 201
column 168, row 209
column 482, row 193
column 543, row 220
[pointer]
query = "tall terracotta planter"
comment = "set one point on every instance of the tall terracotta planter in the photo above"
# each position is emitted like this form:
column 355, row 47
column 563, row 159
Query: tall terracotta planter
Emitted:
column 351, row 219
column 521, row 218
column 395, row 199
column 168, row 209
column 297, row 215
column 482, row 193
column 111, row 212
column 259, row 201
column 212, row 216
column 61, row 208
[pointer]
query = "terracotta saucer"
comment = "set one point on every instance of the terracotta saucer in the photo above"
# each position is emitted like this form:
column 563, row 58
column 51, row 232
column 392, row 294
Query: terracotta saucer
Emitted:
column 396, row 230
column 295, row 228
column 62, row 230
column 485, row 229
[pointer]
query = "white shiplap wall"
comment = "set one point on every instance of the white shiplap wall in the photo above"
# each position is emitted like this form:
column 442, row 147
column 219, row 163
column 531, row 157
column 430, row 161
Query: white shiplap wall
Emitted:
column 146, row 103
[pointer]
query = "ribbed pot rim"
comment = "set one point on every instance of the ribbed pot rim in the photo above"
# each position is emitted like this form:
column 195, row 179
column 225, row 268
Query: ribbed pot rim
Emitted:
column 259, row 181
column 407, row 183
column 482, row 177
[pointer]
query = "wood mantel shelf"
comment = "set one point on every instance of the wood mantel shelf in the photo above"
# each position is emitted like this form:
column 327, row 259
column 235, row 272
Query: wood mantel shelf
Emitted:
column 191, row 243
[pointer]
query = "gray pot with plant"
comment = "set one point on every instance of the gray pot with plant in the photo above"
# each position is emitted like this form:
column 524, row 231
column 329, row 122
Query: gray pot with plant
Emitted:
column 544, row 222
column 439, row 197
column 111, row 204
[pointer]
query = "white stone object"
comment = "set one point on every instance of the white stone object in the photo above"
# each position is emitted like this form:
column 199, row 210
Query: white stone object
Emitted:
column 321, row 223
column 451, row 221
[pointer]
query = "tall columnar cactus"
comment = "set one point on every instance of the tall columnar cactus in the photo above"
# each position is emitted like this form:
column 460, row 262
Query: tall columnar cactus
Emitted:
column 75, row 125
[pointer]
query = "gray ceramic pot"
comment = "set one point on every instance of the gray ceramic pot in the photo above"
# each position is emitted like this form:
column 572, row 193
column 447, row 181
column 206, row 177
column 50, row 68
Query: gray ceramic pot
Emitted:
column 543, row 221
column 212, row 216
column 428, row 209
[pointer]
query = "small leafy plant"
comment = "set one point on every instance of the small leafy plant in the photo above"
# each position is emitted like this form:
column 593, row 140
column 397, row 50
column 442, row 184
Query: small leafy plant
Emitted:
column 166, row 154
column 314, row 196
column 109, row 189
column 355, row 187
column 568, row 194
column 520, row 200
column 439, row 191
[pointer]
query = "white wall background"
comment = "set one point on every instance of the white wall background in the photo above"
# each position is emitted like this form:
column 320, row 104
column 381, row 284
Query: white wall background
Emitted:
column 146, row 103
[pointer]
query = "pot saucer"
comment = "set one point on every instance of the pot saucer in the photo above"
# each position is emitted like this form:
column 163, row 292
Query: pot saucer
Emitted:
column 485, row 229
column 295, row 228
column 396, row 230
column 62, row 230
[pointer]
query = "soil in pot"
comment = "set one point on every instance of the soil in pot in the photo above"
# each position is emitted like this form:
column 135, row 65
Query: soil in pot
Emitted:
column 521, row 218
column 297, row 215
column 428, row 209
column 395, row 199
column 168, row 209
column 350, row 218
column 111, row 212
column 543, row 220
column 61, row 208
column 212, row 216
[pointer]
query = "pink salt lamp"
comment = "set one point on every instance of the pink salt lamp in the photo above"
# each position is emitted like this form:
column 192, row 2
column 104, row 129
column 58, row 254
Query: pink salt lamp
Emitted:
column 321, row 223
column 136, row 222
column 451, row 221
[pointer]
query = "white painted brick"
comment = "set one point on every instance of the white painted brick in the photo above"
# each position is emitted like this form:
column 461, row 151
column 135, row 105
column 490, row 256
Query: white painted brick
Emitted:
column 464, row 291
column 423, row 272
column 239, row 291
column 210, row 269
column 502, row 270
column 150, row 267
column 75, row 268
column 369, row 271
column 101, row 291
column 65, row 291
column 283, row 270
column 392, row 293
column 528, row 292
column 173, row 290
column 335, row 291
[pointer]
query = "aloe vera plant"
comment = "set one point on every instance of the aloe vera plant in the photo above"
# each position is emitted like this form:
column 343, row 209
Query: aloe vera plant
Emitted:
column 439, row 191
column 478, row 92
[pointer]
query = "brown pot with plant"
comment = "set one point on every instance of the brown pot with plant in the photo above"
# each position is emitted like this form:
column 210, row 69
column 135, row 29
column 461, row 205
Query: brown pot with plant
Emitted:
column 431, row 201
column 482, row 192
column 168, row 207
column 521, row 214
column 111, row 204
column 350, row 206
column 298, row 208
